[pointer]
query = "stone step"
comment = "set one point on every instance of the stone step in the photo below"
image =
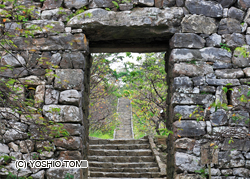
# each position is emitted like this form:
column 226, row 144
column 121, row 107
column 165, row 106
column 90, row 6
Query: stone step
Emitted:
column 120, row 146
column 121, row 158
column 130, row 170
column 118, row 141
column 125, row 174
column 101, row 152
column 122, row 165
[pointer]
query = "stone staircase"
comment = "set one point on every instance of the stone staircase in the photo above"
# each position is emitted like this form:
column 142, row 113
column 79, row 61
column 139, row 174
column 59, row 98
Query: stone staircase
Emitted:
column 127, row 158
column 125, row 129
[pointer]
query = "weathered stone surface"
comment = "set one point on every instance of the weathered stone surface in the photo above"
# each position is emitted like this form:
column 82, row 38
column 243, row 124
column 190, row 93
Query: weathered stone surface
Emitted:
column 226, row 172
column 236, row 14
column 14, row 61
column 183, row 85
column 199, row 24
column 17, row 155
column 13, row 146
column 16, row 72
column 12, row 168
column 126, row 7
column 247, row 72
column 222, row 82
column 229, row 73
column 70, row 155
column 17, row 125
column 199, row 81
column 187, row 162
column 239, row 118
column 229, row 26
column 216, row 55
column 101, row 4
column 148, row 3
column 56, row 14
column 51, row 96
column 207, row 8
column 189, row 128
column 4, row 148
column 242, row 172
column 247, row 20
column 207, row 89
column 185, row 111
column 13, row 134
column 221, row 65
column 239, row 60
column 30, row 119
column 109, row 28
column 164, row 3
column 236, row 132
column 73, row 129
column 38, row 175
column 226, row 3
column 213, row 40
column 32, row 80
column 187, row 40
column 209, row 154
column 13, row 28
column 191, row 70
column 70, row 97
column 184, row 55
column 8, row 113
column 42, row 145
column 219, row 118
column 71, row 143
column 74, row 60
column 185, row 143
column 39, row 96
column 220, row 95
column 52, row 4
column 183, row 98
column 236, row 96
column 65, row 80
column 236, row 145
column 75, row 3
column 66, row 114
column 234, row 40
column 44, row 26
column 26, row 146
column 59, row 173
column 243, row 4
column 46, row 155
column 189, row 176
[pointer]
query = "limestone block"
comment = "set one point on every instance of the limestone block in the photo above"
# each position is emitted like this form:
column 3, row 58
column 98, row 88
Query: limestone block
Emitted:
column 229, row 26
column 242, row 172
column 52, row 4
column 70, row 97
column 236, row 96
column 67, row 113
column 13, row 146
column 56, row 14
column 65, row 81
column 146, row 3
column 207, row 8
column 38, row 175
column 199, row 80
column 239, row 60
column 239, row 118
column 243, row 4
column 222, row 65
column 14, row 61
column 236, row 14
column 71, row 143
column 234, row 40
column 39, row 96
column 185, row 143
column 70, row 155
column 247, row 72
column 219, row 118
column 4, row 148
column 189, row 128
column 12, row 168
column 247, row 19
column 199, row 24
column 226, row 171
column 32, row 80
column 30, row 119
column 236, row 132
column 77, row 4
column 13, row 73
column 208, row 89
column 46, row 155
column 187, row 40
column 42, row 145
column 191, row 70
column 222, row 82
column 17, row 155
column 126, row 7
column 229, row 73
column 51, row 96
column 236, row 145
column 74, row 60
column 183, row 84
column 186, row 162
column 226, row 3
column 184, row 55
column 59, row 173
column 8, row 113
column 195, row 99
column 216, row 55
column 26, row 146
column 185, row 111
column 13, row 134
column 213, row 40
column 17, row 125
column 220, row 95
column 101, row 4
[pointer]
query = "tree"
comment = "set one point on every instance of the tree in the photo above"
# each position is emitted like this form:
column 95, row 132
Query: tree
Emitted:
column 147, row 88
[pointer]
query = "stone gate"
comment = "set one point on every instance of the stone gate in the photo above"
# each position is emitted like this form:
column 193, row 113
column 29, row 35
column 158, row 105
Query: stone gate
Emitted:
column 199, row 38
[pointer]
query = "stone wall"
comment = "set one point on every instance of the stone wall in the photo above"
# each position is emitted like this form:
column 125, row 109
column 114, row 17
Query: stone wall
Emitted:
column 197, row 67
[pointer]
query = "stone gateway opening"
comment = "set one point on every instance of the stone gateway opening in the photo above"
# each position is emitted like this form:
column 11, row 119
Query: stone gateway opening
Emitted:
column 207, row 65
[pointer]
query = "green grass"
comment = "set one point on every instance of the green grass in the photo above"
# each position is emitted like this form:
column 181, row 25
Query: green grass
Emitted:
column 100, row 135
